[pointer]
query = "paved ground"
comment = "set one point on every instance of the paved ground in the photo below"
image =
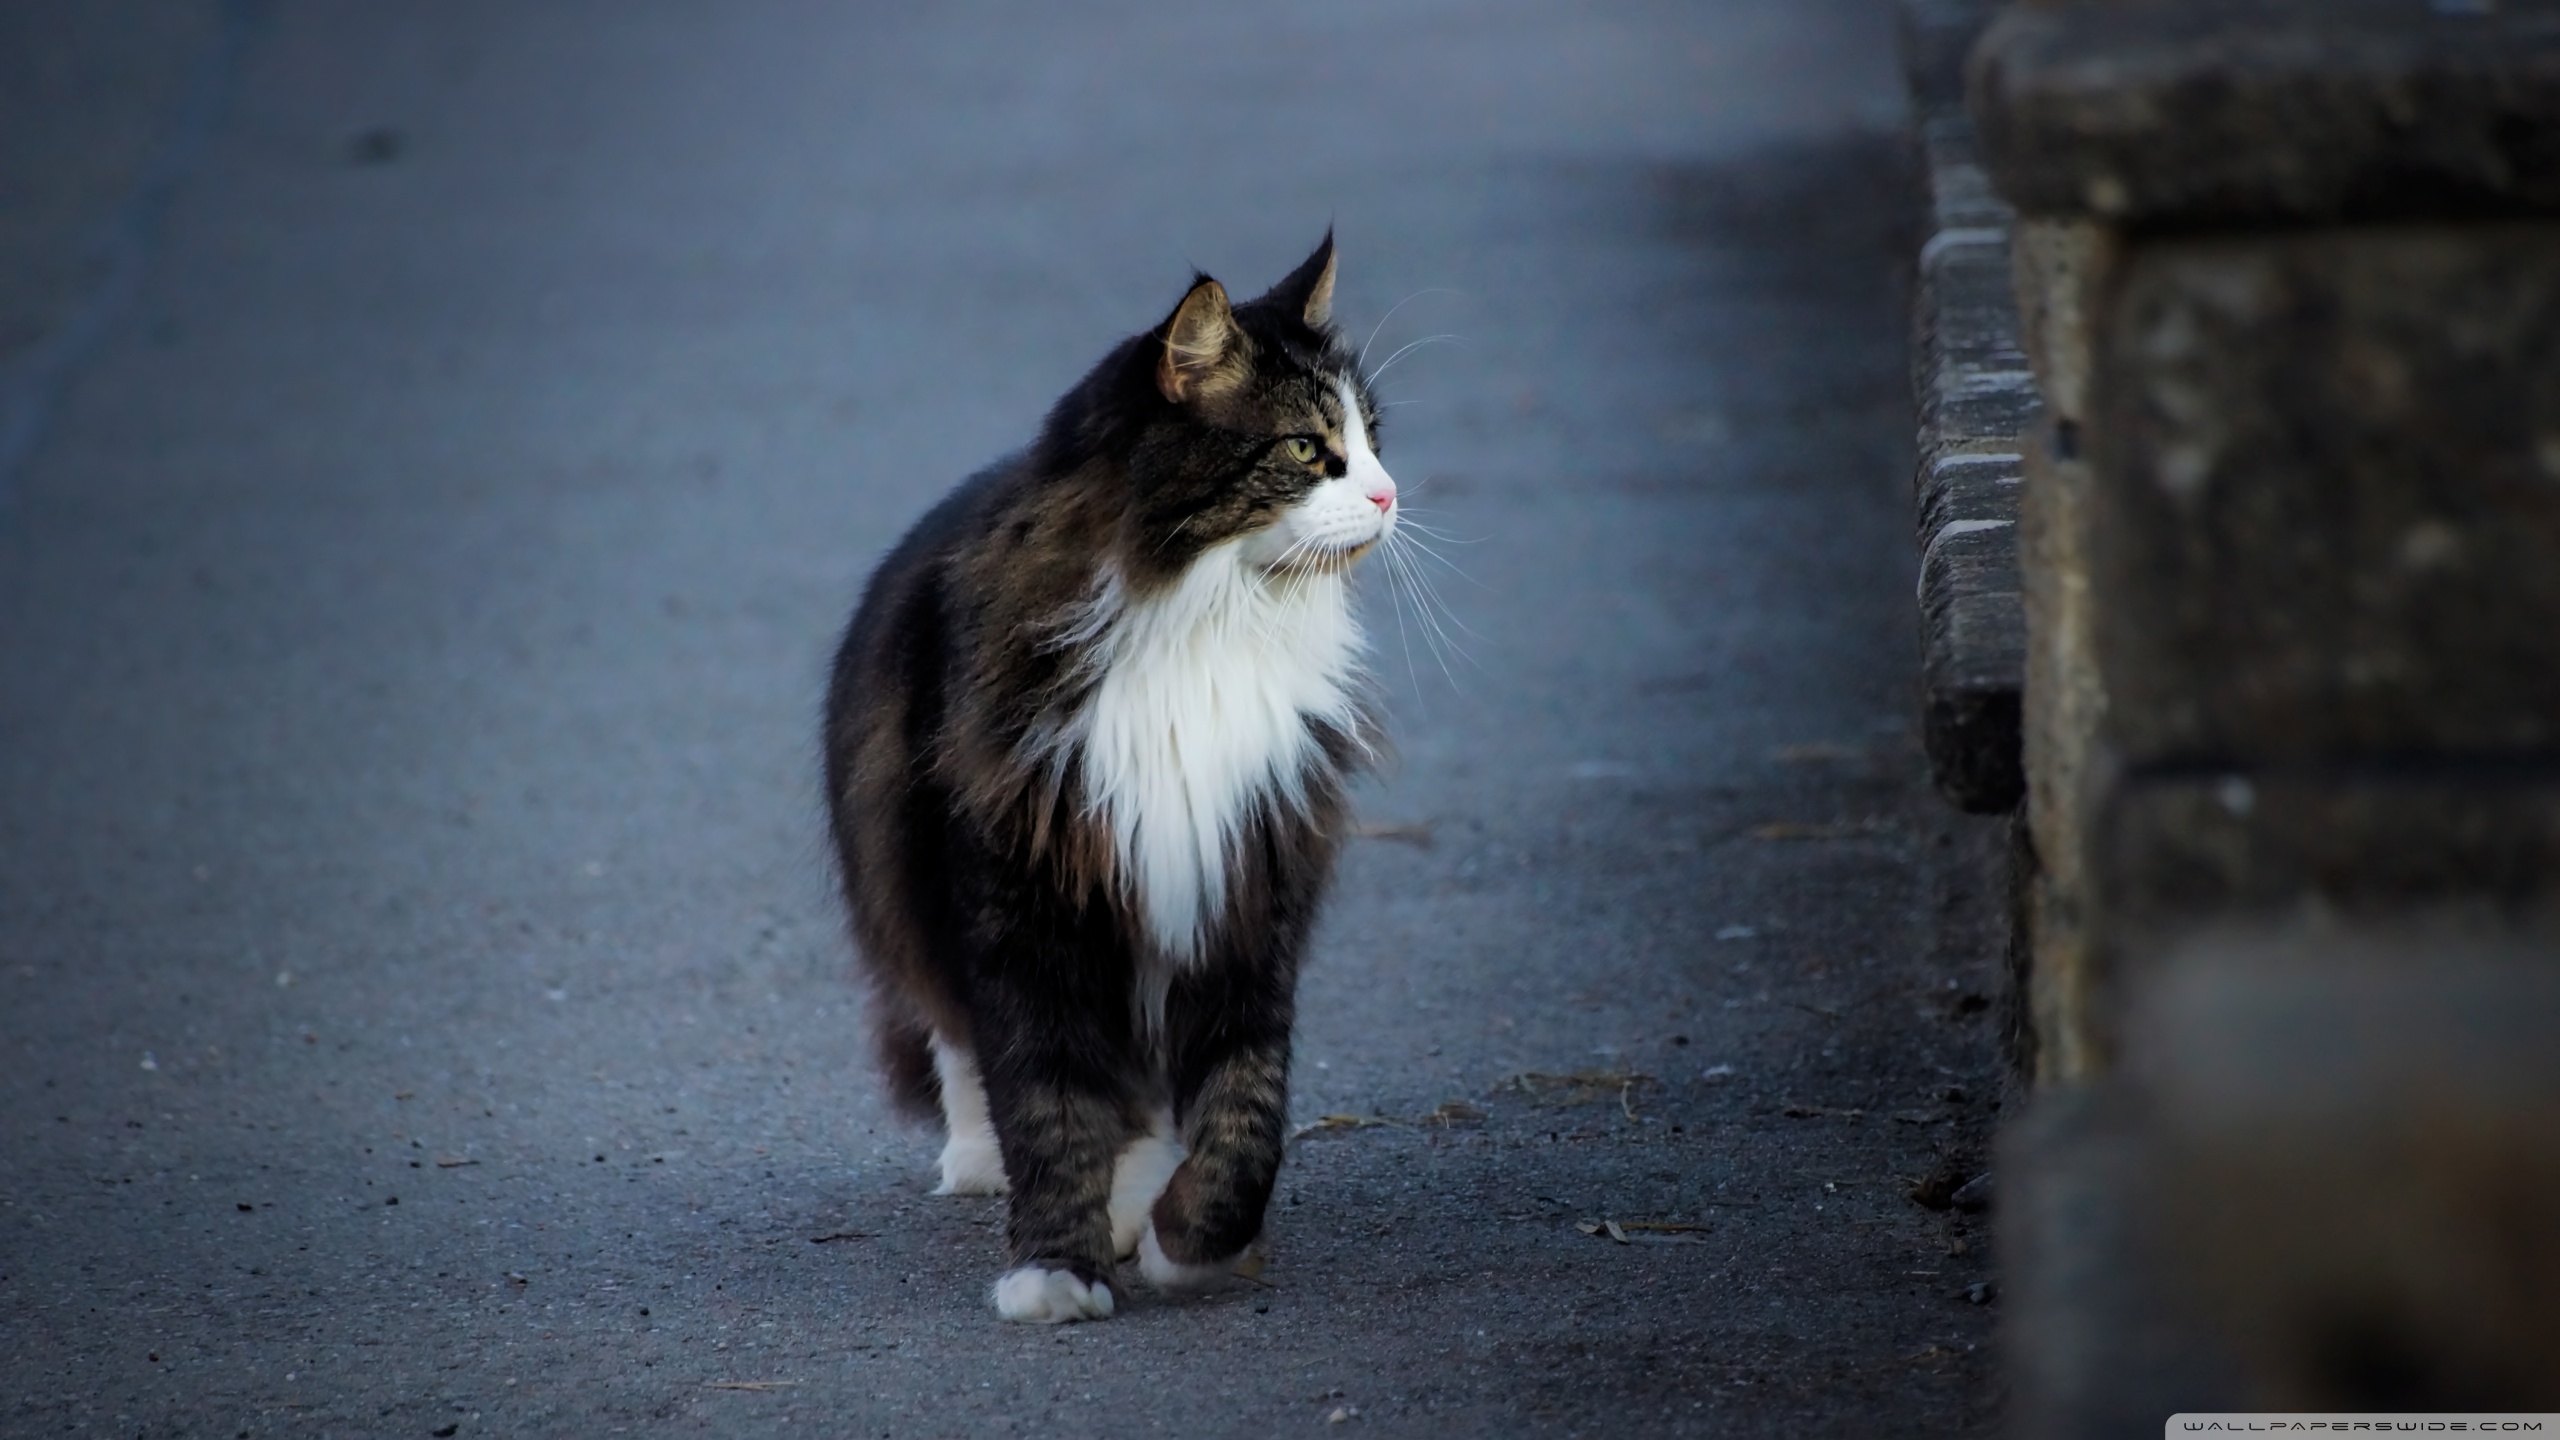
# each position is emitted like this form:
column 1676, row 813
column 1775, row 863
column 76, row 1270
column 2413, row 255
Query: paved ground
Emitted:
column 422, row 1006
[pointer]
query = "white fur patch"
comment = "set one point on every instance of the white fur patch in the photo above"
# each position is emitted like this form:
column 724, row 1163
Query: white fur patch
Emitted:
column 1204, row 692
column 1172, row 1276
column 971, row 1163
column 1037, row 1295
column 1137, row 1179
column 1200, row 714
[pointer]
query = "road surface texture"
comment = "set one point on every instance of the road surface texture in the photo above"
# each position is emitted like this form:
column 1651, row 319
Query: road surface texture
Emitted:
column 452, row 432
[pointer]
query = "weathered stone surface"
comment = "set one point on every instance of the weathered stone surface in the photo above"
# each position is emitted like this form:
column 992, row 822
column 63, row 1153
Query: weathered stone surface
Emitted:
column 1972, row 380
column 2355, row 1137
column 1973, row 639
column 2331, row 501
column 1975, row 395
column 2061, row 271
column 2327, row 1176
column 2367, row 842
column 2194, row 112
column 2063, row 705
column 1971, row 642
column 2058, row 274
column 1961, row 197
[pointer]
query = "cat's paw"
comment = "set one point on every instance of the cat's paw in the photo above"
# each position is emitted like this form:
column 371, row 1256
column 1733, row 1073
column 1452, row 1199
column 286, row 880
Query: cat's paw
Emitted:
column 1136, row 1181
column 1038, row 1295
column 971, row 1165
column 1176, row 1278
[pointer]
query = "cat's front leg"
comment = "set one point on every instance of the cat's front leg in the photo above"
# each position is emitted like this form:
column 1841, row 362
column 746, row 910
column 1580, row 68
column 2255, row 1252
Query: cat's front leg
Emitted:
column 1061, row 1135
column 1232, row 1089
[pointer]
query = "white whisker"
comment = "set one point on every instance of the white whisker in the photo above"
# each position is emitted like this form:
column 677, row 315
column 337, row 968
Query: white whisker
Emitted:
column 1425, row 600
column 1405, row 521
column 1422, row 580
column 1363, row 358
column 1407, row 349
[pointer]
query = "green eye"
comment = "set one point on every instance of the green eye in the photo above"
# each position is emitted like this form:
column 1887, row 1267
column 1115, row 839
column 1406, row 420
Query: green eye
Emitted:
column 1301, row 449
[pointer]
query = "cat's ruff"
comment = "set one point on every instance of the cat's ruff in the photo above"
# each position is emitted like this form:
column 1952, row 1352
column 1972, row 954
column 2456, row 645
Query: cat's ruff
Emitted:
column 1201, row 713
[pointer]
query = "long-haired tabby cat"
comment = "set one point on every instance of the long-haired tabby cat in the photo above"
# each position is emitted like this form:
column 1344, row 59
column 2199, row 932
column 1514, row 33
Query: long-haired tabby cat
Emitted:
column 1087, row 741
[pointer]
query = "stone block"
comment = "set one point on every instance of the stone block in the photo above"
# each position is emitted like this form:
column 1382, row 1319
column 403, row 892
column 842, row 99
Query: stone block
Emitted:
column 2063, row 706
column 2330, row 502
column 2358, row 843
column 2207, row 112
column 2061, row 272
column 2096, row 1340
column 1975, row 396
column 2354, row 1137
column 1972, row 378
column 1971, row 643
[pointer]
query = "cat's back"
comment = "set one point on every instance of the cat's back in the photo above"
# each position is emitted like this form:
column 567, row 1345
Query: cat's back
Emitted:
column 893, row 647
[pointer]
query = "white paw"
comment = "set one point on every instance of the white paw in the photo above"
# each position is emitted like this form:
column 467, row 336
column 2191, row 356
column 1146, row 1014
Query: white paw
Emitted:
column 971, row 1165
column 1136, row 1181
column 1172, row 1276
column 1036, row 1295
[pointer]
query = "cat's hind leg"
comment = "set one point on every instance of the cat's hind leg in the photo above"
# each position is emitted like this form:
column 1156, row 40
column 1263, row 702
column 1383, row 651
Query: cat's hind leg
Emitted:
column 1137, row 1180
column 971, row 1162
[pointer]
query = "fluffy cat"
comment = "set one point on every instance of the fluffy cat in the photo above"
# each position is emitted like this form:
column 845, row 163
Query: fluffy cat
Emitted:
column 1086, row 744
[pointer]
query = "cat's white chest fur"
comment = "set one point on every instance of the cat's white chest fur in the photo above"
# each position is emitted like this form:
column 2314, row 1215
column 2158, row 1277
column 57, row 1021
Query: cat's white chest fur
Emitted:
column 1201, row 714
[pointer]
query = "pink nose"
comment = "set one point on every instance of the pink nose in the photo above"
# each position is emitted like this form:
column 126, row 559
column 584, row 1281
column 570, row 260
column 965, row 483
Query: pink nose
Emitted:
column 1384, row 497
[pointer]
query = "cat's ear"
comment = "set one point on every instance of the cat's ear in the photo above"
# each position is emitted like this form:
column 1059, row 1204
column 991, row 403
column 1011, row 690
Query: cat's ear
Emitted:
column 1204, row 349
column 1308, row 291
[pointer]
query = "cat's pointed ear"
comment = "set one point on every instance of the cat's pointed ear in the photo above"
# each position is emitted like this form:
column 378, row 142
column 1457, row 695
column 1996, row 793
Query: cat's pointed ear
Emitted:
column 1308, row 292
column 1204, row 349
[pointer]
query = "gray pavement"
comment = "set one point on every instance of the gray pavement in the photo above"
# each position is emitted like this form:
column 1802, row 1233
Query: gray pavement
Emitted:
column 423, row 1008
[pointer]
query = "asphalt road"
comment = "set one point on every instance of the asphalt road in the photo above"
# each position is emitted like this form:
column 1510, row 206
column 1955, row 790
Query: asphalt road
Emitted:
column 423, row 1006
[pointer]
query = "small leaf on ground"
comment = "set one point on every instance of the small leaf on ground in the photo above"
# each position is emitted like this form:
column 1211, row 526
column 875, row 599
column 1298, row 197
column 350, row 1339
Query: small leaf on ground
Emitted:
column 1338, row 1124
column 1578, row 1087
column 1415, row 833
column 1661, row 1232
column 1937, row 1190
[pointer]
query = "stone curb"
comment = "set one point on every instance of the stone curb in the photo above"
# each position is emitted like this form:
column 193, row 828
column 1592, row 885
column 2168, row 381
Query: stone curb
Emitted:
column 1976, row 398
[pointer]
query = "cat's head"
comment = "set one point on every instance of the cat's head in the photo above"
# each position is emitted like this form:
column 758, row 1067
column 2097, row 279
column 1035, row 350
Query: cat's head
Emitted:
column 1254, row 427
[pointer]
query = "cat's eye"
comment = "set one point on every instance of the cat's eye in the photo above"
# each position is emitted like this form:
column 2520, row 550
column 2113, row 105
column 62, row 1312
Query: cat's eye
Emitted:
column 1301, row 449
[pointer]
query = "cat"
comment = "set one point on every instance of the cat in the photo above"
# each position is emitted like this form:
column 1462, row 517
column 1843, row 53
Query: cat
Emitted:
column 1087, row 741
